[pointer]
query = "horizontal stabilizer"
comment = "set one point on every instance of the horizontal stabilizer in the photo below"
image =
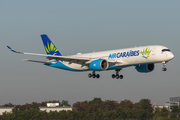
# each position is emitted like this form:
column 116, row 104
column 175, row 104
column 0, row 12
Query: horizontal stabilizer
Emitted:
column 38, row 61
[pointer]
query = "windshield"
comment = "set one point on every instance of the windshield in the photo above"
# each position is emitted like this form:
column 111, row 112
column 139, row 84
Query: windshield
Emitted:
column 163, row 50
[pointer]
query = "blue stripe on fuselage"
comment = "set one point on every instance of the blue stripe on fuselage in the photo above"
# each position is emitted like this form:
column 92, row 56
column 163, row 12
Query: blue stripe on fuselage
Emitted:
column 62, row 66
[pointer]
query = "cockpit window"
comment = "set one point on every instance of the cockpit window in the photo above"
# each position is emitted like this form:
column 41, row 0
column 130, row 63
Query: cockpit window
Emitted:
column 163, row 50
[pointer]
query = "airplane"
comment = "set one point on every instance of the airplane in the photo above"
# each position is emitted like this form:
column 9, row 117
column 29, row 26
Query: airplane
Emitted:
column 143, row 58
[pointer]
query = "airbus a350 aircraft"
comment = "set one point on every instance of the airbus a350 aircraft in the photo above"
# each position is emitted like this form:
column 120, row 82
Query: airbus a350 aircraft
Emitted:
column 143, row 58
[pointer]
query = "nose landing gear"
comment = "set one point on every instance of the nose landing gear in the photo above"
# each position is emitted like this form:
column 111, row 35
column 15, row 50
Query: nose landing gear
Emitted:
column 164, row 66
column 93, row 75
column 117, row 76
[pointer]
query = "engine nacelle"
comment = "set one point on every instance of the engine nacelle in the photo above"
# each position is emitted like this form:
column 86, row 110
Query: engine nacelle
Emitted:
column 144, row 68
column 99, row 65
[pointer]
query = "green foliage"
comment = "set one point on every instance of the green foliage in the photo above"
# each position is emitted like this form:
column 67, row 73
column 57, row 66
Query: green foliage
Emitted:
column 95, row 101
column 108, row 105
column 110, row 109
column 26, row 115
column 94, row 110
column 65, row 103
column 146, row 105
column 175, row 109
column 125, row 104
column 25, row 107
column 164, row 112
column 80, row 106
column 8, row 105
column 173, row 115
column 161, row 118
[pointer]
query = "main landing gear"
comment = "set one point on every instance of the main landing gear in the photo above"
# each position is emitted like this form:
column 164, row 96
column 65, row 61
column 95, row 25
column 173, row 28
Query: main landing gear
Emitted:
column 117, row 76
column 164, row 66
column 93, row 75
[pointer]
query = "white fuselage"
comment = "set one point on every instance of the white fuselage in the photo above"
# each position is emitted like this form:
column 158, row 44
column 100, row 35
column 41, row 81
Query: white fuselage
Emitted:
column 124, row 57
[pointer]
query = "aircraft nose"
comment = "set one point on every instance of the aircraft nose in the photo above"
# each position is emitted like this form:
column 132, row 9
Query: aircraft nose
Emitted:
column 171, row 56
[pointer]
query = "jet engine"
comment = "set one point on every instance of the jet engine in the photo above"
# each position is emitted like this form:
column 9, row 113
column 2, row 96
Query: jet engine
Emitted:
column 99, row 65
column 144, row 68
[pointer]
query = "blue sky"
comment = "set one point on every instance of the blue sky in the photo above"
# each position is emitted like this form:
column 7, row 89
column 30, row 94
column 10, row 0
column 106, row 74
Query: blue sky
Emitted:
column 80, row 27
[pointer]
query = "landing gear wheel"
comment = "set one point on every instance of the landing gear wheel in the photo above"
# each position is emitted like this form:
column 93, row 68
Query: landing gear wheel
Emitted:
column 121, row 76
column 98, row 76
column 117, row 76
column 164, row 69
column 89, row 75
column 113, row 76
column 93, row 75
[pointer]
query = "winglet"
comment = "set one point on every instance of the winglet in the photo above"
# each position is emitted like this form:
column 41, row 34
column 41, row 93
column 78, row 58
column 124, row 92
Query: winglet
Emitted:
column 14, row 50
column 11, row 49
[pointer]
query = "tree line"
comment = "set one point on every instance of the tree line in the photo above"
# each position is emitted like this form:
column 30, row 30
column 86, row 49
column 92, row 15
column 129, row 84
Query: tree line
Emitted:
column 42, row 104
column 95, row 109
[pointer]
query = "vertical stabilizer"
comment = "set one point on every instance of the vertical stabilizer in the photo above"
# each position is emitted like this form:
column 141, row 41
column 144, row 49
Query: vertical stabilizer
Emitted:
column 50, row 48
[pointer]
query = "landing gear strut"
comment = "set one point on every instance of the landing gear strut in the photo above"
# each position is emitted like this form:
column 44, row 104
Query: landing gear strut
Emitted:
column 164, row 66
column 117, row 76
column 93, row 75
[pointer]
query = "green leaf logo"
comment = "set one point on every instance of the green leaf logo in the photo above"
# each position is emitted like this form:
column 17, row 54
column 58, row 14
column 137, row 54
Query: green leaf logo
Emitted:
column 50, row 48
column 146, row 52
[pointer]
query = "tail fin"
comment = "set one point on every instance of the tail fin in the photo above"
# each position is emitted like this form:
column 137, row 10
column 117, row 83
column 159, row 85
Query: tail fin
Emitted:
column 50, row 48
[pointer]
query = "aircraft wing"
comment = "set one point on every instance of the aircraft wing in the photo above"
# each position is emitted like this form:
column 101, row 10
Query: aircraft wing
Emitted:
column 38, row 61
column 62, row 58
column 71, row 59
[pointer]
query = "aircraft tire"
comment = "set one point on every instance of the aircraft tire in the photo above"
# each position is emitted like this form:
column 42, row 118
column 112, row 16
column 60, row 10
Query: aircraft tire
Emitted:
column 117, row 76
column 113, row 76
column 98, row 76
column 164, row 69
column 121, row 76
column 93, row 75
column 89, row 75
